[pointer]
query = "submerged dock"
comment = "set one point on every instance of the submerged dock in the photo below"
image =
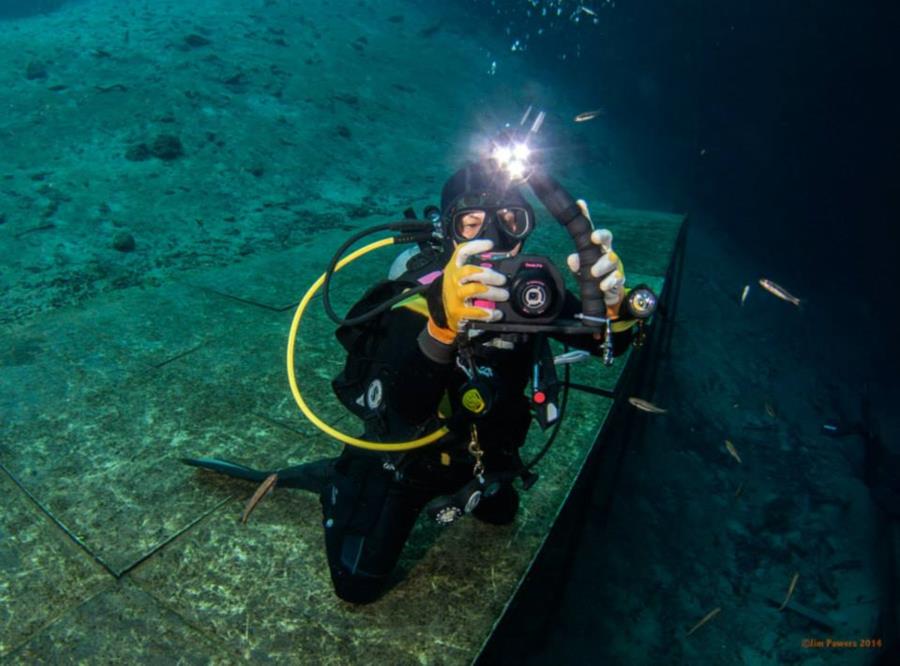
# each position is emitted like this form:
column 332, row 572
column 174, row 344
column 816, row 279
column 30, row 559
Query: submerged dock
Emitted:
column 113, row 551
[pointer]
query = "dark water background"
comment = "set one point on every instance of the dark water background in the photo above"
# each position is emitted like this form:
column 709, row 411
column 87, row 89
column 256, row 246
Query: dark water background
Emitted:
column 794, row 107
column 775, row 124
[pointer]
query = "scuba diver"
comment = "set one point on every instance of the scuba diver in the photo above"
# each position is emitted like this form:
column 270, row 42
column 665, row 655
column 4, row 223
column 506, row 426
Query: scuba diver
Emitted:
column 406, row 366
column 415, row 366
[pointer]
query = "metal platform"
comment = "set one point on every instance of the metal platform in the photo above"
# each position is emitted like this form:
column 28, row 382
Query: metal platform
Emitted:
column 111, row 551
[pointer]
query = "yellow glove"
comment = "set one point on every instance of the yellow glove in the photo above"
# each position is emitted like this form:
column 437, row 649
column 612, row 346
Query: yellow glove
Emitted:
column 613, row 285
column 462, row 284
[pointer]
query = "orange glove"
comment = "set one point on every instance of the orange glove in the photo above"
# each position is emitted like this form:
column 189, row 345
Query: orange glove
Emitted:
column 462, row 284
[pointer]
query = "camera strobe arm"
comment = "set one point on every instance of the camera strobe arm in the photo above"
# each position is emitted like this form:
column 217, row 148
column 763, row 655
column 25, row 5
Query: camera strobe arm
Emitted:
column 568, row 213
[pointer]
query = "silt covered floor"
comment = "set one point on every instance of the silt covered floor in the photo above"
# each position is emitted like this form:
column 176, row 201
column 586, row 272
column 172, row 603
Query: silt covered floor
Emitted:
column 114, row 551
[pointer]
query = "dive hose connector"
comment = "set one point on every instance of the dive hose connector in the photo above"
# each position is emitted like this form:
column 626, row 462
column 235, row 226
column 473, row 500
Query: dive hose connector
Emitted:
column 433, row 214
column 418, row 237
column 413, row 231
column 410, row 226
column 606, row 323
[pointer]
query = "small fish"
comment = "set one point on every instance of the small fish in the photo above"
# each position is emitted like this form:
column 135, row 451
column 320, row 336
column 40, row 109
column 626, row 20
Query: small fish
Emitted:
column 779, row 291
column 740, row 489
column 706, row 618
column 790, row 591
column 571, row 357
column 264, row 489
column 770, row 410
column 589, row 115
column 645, row 406
column 744, row 293
column 582, row 9
column 732, row 450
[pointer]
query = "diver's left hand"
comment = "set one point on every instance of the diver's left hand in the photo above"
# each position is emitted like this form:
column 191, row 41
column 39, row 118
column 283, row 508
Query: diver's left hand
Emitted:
column 613, row 285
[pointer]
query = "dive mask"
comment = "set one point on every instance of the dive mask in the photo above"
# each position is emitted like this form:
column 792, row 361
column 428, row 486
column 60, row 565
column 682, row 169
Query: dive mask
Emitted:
column 483, row 217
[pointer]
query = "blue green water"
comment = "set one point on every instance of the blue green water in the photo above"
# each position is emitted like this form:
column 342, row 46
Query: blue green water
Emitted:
column 140, row 140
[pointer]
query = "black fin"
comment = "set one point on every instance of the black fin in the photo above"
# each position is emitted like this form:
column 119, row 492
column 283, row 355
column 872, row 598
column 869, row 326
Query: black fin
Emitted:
column 311, row 476
column 228, row 468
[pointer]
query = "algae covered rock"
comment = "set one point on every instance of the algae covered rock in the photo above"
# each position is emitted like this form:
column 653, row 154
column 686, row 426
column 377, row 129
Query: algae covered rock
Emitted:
column 123, row 242
column 35, row 70
column 138, row 153
column 196, row 41
column 167, row 147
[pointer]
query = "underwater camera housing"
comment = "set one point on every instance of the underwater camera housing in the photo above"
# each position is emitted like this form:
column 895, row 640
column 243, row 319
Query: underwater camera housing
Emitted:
column 535, row 285
column 536, row 289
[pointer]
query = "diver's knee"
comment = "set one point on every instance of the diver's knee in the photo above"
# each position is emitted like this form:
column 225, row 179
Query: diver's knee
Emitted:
column 351, row 581
column 359, row 564
column 357, row 588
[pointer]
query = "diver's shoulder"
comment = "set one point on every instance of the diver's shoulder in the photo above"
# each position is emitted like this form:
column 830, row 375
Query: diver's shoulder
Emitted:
column 417, row 266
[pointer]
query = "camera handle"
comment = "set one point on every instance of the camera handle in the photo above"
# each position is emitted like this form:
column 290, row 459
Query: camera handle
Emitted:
column 568, row 213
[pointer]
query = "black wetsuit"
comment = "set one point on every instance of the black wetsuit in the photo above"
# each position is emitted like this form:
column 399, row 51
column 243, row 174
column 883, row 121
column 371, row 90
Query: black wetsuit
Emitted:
column 374, row 499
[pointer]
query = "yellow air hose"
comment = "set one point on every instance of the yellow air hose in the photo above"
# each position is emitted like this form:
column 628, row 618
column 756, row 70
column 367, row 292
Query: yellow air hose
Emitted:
column 301, row 403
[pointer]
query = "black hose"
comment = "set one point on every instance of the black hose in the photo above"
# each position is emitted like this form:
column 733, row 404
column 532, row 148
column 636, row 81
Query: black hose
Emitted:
column 413, row 231
column 562, row 412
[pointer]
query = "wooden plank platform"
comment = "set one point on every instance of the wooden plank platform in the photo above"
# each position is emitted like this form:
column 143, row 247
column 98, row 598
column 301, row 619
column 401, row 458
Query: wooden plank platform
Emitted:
column 112, row 550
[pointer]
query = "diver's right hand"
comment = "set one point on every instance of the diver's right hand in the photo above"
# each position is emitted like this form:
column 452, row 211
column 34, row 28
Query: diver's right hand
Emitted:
column 462, row 284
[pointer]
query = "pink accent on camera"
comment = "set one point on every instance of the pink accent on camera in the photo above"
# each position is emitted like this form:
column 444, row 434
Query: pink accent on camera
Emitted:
column 430, row 277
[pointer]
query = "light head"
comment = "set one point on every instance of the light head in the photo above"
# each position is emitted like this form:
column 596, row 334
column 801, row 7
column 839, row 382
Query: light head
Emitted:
column 511, row 153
